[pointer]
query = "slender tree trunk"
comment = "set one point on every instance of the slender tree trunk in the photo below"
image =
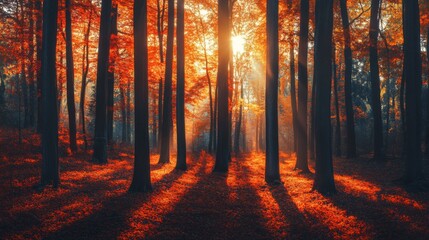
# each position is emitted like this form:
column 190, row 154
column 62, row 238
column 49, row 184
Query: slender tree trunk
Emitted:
column 141, row 177
column 24, row 84
column 50, row 166
column 70, row 78
column 168, row 91
column 60, row 86
column 301, row 161
column 239, row 122
column 32, row 84
column 324, row 176
column 38, row 9
column 85, row 69
column 215, row 119
column 427, row 101
column 413, row 78
column 100, row 136
column 180, row 92
column 223, row 129
column 160, row 93
column 272, row 173
column 375, row 80
column 293, row 95
column 337, row 108
column 350, row 122
column 123, row 114
column 111, row 74
column 129, row 111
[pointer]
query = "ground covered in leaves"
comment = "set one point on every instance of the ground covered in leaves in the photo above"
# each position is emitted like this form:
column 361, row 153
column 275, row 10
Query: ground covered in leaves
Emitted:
column 93, row 202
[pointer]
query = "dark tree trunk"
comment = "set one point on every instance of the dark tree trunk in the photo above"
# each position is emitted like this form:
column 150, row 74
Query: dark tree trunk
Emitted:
column 111, row 74
column 375, row 80
column 324, row 176
column 32, row 85
column 301, row 161
column 141, row 177
column 100, row 136
column 166, row 127
column 70, row 79
column 24, row 84
column 180, row 92
column 337, row 108
column 160, row 93
column 312, row 120
column 50, row 166
column 272, row 173
column 38, row 10
column 239, row 121
column 350, row 122
column 413, row 79
column 128, row 111
column 85, row 69
column 123, row 114
column 223, row 130
column 293, row 95
column 215, row 118
column 427, row 107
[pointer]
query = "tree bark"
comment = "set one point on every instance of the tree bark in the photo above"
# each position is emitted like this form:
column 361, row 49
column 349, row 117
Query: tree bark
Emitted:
column 350, row 122
column 413, row 79
column 375, row 80
column 272, row 173
column 324, row 176
column 180, row 92
column 111, row 74
column 141, row 177
column 223, row 129
column 50, row 166
column 293, row 95
column 166, row 127
column 38, row 9
column 100, row 136
column 301, row 161
column 337, row 108
column 70, row 78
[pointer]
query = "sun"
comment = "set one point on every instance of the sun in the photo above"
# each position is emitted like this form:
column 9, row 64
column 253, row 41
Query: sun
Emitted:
column 238, row 43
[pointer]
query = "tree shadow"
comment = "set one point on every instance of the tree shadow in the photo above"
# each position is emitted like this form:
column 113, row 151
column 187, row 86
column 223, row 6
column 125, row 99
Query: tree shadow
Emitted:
column 387, row 220
column 212, row 209
column 112, row 218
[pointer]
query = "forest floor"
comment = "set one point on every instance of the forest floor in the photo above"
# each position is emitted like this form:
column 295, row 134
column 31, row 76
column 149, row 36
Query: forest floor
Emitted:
column 93, row 202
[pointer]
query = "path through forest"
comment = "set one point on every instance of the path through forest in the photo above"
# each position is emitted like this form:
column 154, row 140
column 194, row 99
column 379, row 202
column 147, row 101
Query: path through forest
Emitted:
column 93, row 201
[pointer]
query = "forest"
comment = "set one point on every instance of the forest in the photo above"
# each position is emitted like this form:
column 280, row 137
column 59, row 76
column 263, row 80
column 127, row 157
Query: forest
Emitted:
column 214, row 119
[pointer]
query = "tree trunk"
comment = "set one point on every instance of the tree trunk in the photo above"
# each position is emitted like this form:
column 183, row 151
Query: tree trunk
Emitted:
column 350, row 122
column 223, row 145
column 50, row 166
column 375, row 80
column 413, row 79
column 100, row 136
column 427, row 101
column 70, row 79
column 239, row 122
column 32, row 85
column 160, row 93
column 293, row 95
column 128, row 111
column 301, row 160
column 123, row 114
column 111, row 74
column 141, row 177
column 180, row 92
column 38, row 9
column 168, row 90
column 85, row 69
column 337, row 108
column 272, row 174
column 324, row 176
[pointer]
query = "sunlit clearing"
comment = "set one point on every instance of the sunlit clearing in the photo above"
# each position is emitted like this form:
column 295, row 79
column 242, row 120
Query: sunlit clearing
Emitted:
column 238, row 44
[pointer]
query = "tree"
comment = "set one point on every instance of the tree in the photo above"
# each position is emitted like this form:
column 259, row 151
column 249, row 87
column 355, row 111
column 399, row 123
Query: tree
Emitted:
column 141, row 177
column 223, row 147
column 301, row 160
column 180, row 92
column 336, row 104
column 168, row 89
column 324, row 176
column 375, row 79
column 111, row 74
column 100, row 136
column 350, row 122
column 272, row 174
column 413, row 82
column 50, row 166
column 70, row 78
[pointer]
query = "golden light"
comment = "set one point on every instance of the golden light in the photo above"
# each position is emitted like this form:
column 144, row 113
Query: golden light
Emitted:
column 238, row 44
